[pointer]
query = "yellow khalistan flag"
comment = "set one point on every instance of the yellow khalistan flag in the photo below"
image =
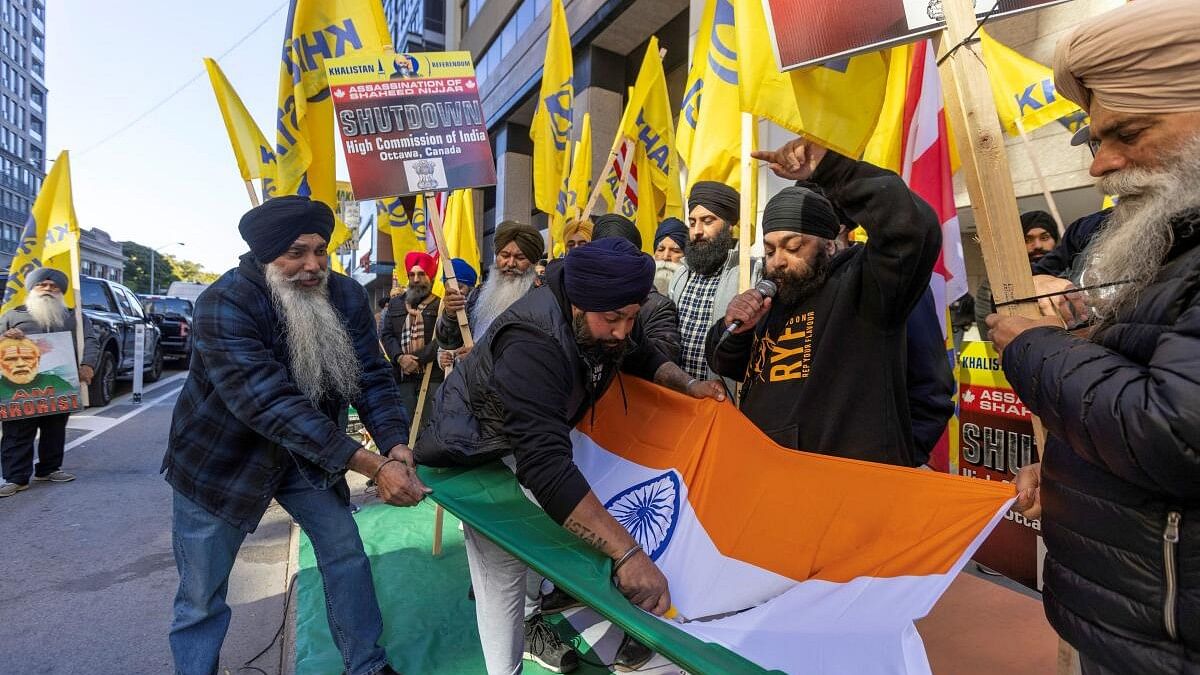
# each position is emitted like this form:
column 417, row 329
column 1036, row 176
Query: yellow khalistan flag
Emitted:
column 835, row 103
column 254, row 156
column 394, row 221
column 551, row 129
column 1023, row 88
column 459, row 230
column 51, row 232
column 317, row 30
column 649, row 122
column 576, row 187
column 709, row 137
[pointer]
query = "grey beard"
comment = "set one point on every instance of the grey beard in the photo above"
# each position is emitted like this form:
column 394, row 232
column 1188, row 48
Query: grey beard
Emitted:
column 323, row 358
column 499, row 292
column 1139, row 232
column 47, row 311
column 413, row 295
column 664, row 271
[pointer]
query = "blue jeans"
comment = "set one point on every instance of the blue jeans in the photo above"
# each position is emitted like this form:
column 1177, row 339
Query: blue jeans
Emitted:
column 206, row 546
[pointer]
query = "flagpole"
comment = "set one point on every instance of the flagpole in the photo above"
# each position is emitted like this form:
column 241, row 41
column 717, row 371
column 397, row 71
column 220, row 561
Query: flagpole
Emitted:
column 624, row 184
column 79, row 346
column 746, row 207
column 439, row 236
column 1037, row 171
column 600, row 182
column 253, row 195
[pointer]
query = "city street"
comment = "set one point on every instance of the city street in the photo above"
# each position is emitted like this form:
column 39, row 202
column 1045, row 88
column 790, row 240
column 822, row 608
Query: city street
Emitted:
column 89, row 572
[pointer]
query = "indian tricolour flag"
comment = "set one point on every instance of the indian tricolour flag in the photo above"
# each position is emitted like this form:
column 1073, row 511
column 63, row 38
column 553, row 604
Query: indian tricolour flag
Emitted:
column 797, row 562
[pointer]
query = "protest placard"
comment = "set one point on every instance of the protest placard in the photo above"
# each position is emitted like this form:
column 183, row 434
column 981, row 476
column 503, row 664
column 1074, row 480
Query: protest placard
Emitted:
column 38, row 376
column 410, row 123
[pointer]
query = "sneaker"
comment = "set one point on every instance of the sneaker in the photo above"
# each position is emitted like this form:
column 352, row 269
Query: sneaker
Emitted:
column 544, row 647
column 10, row 489
column 56, row 477
column 631, row 655
column 558, row 601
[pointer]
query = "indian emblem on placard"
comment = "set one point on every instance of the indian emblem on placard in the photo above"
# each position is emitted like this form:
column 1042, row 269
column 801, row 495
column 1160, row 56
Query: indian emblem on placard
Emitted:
column 425, row 169
column 650, row 511
column 934, row 10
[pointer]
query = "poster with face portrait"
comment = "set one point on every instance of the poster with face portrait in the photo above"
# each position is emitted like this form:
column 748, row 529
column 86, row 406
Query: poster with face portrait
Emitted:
column 39, row 376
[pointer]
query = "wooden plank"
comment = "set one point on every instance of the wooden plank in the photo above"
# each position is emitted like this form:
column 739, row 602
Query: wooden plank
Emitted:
column 746, row 207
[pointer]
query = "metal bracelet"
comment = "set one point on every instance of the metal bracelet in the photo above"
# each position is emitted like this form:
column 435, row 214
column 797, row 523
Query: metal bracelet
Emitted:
column 379, row 468
column 625, row 558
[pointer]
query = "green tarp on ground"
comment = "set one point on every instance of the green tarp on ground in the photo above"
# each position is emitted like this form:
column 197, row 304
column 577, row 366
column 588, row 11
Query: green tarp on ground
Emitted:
column 428, row 622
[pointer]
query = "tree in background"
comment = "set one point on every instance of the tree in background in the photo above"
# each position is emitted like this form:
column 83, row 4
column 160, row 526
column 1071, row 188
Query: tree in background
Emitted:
column 167, row 268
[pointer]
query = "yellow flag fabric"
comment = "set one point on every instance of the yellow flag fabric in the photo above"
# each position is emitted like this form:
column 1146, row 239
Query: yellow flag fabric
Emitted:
column 317, row 30
column 552, row 120
column 709, row 137
column 1023, row 88
column 576, row 187
column 649, row 122
column 836, row 103
column 51, row 231
column 886, row 144
column 393, row 221
column 459, row 230
column 648, row 201
column 250, row 148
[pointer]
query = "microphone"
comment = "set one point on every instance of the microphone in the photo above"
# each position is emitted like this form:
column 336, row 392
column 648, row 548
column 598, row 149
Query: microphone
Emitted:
column 765, row 288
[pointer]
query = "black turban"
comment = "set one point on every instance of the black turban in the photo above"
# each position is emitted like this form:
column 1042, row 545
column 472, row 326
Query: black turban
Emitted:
column 607, row 274
column 1031, row 220
column 615, row 225
column 271, row 228
column 528, row 239
column 673, row 228
column 47, row 274
column 719, row 198
column 798, row 209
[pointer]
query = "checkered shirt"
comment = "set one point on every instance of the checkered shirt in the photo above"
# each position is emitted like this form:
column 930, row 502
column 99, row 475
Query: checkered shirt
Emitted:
column 695, row 318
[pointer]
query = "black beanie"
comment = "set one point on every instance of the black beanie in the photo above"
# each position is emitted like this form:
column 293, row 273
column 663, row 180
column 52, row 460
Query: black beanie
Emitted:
column 271, row 228
column 799, row 209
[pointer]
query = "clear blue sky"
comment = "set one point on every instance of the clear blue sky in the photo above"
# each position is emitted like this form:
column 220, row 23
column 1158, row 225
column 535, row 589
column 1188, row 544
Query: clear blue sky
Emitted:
column 171, row 177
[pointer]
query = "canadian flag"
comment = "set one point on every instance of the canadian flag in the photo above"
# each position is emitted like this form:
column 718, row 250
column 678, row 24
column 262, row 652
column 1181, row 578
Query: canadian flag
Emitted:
column 926, row 167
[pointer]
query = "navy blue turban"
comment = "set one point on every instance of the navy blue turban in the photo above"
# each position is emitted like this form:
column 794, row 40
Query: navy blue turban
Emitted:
column 616, row 225
column 464, row 272
column 607, row 274
column 271, row 228
column 674, row 229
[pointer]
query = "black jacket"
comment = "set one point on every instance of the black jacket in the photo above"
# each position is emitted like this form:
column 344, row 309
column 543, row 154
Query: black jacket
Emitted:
column 828, row 375
column 1121, row 472
column 521, row 390
column 658, row 321
column 930, row 378
column 393, row 326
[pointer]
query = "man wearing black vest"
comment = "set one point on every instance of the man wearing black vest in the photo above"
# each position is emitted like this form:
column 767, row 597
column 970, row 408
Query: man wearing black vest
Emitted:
column 531, row 378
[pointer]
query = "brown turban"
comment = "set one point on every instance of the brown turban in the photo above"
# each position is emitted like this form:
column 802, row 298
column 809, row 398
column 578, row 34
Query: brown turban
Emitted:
column 528, row 239
column 1141, row 58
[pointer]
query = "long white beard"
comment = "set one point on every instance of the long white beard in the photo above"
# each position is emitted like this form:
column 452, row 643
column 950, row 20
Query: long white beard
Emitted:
column 664, row 271
column 1138, row 234
column 497, row 295
column 323, row 358
column 47, row 311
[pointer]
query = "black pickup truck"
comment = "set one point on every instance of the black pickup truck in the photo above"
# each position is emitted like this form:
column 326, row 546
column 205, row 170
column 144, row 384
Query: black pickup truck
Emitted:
column 176, row 325
column 115, row 313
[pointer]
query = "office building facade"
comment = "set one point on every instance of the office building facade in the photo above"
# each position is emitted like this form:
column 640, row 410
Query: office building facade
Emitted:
column 23, row 96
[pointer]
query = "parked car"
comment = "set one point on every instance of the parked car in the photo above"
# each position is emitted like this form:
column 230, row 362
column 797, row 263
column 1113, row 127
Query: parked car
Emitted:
column 115, row 313
column 176, row 325
column 186, row 290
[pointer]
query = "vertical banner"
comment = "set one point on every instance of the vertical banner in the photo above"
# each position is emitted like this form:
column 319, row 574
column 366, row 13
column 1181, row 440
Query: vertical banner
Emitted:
column 995, row 441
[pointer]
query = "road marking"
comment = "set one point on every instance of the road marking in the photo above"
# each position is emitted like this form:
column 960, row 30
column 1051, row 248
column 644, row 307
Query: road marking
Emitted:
column 128, row 398
column 116, row 422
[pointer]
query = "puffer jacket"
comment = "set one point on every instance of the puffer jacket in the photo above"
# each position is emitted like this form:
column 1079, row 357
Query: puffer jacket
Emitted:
column 1121, row 472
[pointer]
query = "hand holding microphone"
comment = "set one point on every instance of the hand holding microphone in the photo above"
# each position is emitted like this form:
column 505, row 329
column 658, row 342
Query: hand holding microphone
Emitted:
column 747, row 309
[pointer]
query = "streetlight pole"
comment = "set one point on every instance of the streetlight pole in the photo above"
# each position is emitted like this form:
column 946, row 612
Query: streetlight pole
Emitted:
column 152, row 252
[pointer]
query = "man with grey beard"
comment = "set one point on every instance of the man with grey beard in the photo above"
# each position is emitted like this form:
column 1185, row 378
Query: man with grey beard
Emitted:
column 1118, row 488
column 43, row 312
column 281, row 347
column 518, row 247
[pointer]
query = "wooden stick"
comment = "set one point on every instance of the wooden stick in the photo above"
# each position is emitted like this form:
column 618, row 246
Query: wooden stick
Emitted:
column 1037, row 171
column 748, row 217
column 439, row 516
column 253, row 195
column 972, row 112
column 624, row 184
column 439, row 236
column 438, row 513
column 80, row 337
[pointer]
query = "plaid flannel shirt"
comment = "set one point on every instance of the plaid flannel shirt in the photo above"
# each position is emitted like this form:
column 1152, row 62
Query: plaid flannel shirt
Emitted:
column 240, row 419
column 695, row 318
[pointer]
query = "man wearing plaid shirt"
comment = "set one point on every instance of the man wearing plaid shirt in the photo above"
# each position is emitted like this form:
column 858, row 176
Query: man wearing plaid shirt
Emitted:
column 706, row 283
column 282, row 346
